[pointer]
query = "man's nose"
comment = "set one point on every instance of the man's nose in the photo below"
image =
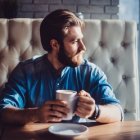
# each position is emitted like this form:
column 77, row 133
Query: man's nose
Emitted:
column 82, row 46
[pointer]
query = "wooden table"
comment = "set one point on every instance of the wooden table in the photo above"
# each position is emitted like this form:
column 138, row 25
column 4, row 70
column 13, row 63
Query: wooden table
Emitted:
column 129, row 130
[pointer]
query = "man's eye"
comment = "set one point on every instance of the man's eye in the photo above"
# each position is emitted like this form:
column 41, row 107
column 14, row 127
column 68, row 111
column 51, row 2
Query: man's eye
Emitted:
column 75, row 41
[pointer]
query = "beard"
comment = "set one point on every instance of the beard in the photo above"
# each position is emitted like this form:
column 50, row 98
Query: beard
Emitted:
column 72, row 61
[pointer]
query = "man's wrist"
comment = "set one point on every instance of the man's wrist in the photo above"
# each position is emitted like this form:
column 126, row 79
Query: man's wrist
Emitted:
column 36, row 115
column 96, row 113
column 32, row 114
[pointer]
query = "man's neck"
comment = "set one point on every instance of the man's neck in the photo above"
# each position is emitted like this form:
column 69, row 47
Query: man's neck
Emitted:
column 54, row 61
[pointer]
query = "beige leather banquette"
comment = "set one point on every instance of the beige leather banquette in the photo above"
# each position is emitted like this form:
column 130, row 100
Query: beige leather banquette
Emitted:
column 111, row 44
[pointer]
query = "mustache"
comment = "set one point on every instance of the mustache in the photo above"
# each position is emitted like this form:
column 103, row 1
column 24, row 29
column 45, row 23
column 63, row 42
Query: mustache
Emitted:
column 81, row 52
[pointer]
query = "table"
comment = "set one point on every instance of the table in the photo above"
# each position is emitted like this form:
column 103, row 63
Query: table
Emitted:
column 127, row 130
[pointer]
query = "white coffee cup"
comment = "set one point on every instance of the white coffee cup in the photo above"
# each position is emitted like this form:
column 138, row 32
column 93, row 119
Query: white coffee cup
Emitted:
column 70, row 97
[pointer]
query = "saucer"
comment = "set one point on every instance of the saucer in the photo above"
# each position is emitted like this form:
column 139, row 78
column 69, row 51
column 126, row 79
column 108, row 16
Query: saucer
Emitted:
column 67, row 129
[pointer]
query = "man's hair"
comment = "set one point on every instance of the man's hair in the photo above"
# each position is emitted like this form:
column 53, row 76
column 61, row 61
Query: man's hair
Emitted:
column 53, row 26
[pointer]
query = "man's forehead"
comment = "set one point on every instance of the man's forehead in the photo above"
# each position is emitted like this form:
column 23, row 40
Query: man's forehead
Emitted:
column 73, row 32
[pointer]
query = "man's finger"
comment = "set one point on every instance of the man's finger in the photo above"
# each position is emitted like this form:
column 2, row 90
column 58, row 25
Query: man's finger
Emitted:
column 57, row 114
column 86, row 100
column 84, row 106
column 56, row 102
column 54, row 119
column 84, row 93
column 81, row 114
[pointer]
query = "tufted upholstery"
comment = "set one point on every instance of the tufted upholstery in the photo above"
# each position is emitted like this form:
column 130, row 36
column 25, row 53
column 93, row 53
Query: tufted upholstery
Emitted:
column 111, row 44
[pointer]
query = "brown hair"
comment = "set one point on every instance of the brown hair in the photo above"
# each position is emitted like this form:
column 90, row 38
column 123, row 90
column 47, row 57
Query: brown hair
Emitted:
column 54, row 24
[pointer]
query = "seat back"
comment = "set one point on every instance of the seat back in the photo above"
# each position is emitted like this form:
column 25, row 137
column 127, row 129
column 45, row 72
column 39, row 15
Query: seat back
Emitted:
column 111, row 44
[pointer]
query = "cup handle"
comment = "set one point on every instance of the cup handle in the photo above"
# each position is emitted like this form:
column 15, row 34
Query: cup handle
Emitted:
column 75, row 103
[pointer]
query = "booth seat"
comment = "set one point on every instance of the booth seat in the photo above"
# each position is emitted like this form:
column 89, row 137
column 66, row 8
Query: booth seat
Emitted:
column 111, row 44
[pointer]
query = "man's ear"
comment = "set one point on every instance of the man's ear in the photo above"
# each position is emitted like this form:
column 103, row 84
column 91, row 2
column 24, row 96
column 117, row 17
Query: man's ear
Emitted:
column 54, row 44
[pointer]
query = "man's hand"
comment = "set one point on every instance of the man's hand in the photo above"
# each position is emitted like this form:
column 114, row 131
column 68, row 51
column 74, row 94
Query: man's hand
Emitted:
column 53, row 111
column 85, row 105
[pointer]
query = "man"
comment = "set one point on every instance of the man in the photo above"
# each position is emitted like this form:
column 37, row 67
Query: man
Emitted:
column 29, row 95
